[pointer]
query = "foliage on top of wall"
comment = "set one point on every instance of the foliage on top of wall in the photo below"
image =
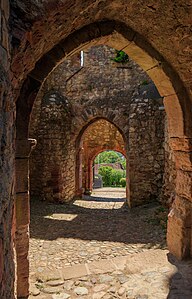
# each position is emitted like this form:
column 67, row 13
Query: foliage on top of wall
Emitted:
column 121, row 57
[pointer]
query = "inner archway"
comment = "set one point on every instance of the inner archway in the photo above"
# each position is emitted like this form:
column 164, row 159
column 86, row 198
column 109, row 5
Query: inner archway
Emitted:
column 98, row 136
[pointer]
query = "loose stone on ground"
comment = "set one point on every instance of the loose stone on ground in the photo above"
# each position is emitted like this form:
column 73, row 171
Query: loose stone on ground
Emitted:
column 105, row 251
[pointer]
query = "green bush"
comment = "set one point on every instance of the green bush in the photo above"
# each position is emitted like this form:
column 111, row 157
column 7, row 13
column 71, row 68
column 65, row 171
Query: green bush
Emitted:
column 123, row 182
column 111, row 177
column 116, row 176
column 105, row 172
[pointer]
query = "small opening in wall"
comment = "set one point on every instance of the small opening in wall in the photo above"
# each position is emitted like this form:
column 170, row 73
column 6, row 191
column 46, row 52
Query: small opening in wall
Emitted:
column 82, row 58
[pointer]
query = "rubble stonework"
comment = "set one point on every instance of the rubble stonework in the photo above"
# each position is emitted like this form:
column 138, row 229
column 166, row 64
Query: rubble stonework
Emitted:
column 70, row 98
column 7, row 134
column 42, row 33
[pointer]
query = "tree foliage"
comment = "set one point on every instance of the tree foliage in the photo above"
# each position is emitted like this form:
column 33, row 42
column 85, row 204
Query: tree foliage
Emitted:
column 110, row 157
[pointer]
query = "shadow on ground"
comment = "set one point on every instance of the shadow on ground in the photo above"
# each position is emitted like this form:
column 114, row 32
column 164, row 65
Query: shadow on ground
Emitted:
column 103, row 199
column 51, row 221
column 180, row 285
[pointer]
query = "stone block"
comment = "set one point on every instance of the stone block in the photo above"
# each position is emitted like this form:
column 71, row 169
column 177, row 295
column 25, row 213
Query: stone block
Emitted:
column 178, row 240
column 183, row 160
column 140, row 56
column 162, row 81
column 101, row 267
column 22, row 209
column 22, row 175
column 75, row 271
column 120, row 263
column 184, row 184
column 22, row 251
column 174, row 115
column 179, row 228
column 181, row 144
column 22, row 277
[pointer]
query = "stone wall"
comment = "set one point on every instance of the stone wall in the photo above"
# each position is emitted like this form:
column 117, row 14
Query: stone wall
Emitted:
column 71, row 98
column 168, row 193
column 32, row 38
column 6, row 160
column 146, row 149
column 52, row 162
column 42, row 33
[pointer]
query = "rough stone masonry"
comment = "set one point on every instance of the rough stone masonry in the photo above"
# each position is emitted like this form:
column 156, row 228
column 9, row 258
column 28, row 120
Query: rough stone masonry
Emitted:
column 39, row 35
column 71, row 99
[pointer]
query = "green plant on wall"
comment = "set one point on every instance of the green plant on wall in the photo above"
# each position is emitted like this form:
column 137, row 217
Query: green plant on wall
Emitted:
column 121, row 57
column 145, row 82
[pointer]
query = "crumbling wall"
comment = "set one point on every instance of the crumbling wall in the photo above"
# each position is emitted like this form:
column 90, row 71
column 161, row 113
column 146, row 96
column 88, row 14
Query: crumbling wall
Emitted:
column 124, row 95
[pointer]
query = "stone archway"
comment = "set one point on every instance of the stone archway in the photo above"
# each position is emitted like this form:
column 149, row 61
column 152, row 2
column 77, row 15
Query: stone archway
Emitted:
column 172, row 107
column 96, row 137
column 179, row 112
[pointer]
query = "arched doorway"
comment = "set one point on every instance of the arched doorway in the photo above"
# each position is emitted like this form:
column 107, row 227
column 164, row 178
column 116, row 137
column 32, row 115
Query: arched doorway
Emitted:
column 96, row 137
column 179, row 125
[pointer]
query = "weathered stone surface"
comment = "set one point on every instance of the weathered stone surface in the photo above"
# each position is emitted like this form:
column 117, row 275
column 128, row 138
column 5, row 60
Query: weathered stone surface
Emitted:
column 55, row 283
column 22, row 250
column 121, row 291
column 22, row 209
column 180, row 217
column 81, row 291
column 99, row 288
column 98, row 295
column 74, row 272
column 22, row 175
column 150, row 26
column 52, row 290
column 33, row 290
column 70, row 100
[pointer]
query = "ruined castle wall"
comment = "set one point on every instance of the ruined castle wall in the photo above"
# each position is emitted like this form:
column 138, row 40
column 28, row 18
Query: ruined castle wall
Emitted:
column 71, row 97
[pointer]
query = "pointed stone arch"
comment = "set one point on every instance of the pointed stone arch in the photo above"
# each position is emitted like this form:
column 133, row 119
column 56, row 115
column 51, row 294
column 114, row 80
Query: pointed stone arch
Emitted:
column 83, row 150
column 176, row 100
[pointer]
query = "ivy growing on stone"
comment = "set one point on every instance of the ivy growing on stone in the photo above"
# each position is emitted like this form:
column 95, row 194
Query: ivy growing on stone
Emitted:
column 121, row 57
